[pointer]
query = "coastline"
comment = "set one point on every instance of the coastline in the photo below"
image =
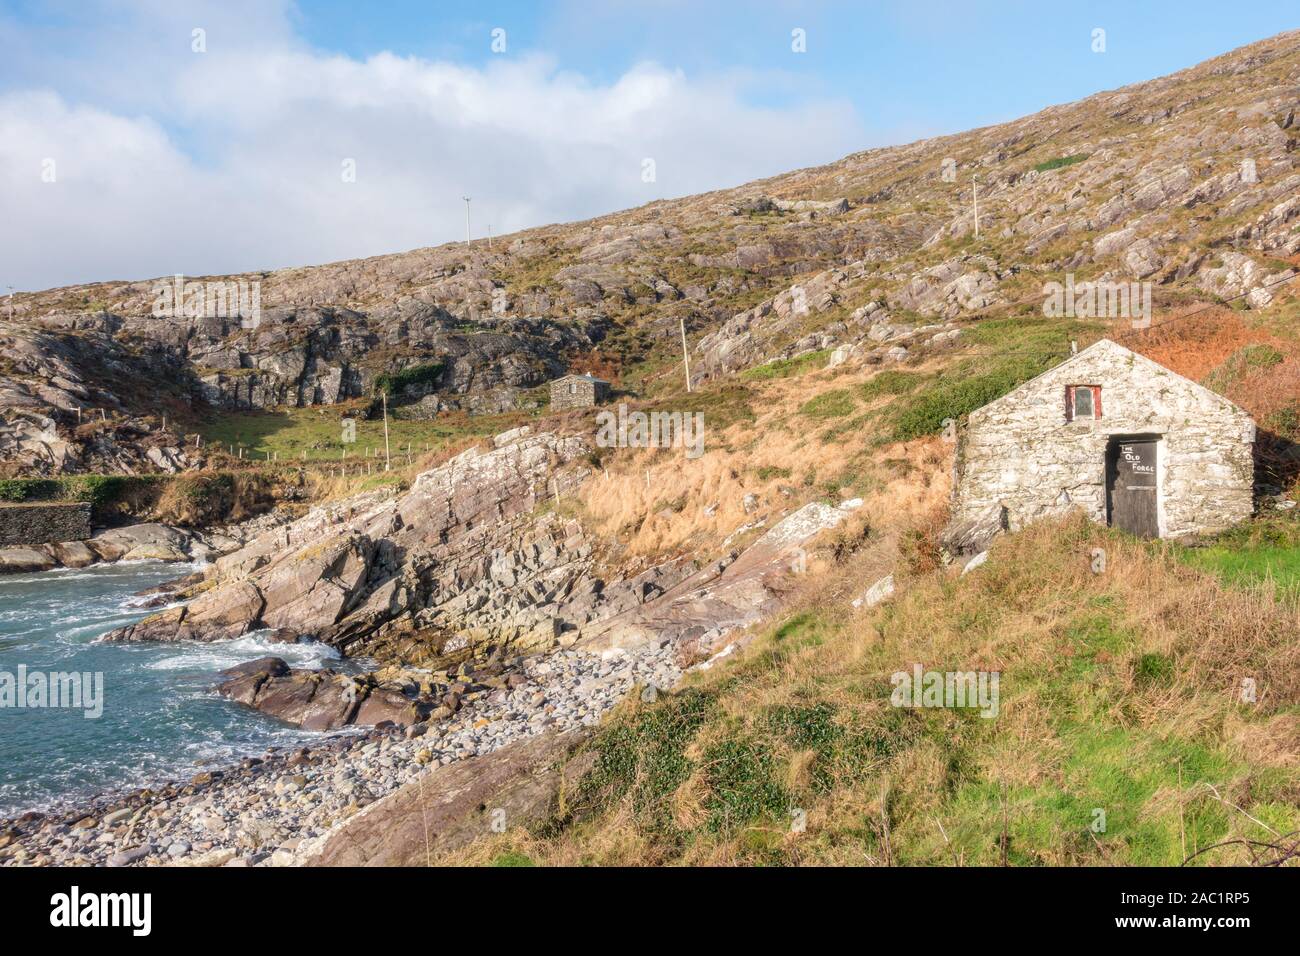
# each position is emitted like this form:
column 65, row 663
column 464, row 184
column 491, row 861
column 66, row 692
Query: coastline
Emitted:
column 261, row 811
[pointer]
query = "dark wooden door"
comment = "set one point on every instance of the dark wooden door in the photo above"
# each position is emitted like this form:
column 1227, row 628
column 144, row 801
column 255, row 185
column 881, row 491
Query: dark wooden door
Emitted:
column 1131, row 473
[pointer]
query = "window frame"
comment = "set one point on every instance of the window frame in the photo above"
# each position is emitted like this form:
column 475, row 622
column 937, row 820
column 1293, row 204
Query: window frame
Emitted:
column 1071, row 403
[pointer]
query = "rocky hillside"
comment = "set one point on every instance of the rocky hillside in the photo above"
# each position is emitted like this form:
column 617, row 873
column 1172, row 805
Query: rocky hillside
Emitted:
column 1188, row 182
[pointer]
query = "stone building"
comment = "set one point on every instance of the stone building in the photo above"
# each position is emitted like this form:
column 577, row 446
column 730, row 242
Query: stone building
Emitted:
column 1129, row 442
column 578, row 391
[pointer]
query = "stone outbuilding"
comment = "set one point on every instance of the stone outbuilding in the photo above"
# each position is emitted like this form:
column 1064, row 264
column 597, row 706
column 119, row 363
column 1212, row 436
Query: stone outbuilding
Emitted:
column 578, row 391
column 1116, row 435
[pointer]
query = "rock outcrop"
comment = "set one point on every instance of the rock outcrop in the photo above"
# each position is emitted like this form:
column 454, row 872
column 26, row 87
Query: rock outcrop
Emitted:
column 149, row 541
column 458, row 555
column 701, row 612
column 320, row 700
column 452, row 806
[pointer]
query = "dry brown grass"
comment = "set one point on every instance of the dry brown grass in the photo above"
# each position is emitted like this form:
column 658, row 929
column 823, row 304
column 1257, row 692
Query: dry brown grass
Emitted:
column 656, row 502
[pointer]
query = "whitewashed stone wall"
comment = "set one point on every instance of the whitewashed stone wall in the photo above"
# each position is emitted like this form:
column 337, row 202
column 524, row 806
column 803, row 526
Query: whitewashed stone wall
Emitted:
column 1022, row 453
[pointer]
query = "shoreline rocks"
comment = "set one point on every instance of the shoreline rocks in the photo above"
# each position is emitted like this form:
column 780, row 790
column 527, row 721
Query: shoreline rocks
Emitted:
column 265, row 811
column 148, row 541
column 322, row 699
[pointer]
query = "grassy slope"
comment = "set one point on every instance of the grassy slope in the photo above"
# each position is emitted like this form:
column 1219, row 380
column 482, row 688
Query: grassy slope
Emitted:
column 1263, row 553
column 1120, row 693
column 288, row 432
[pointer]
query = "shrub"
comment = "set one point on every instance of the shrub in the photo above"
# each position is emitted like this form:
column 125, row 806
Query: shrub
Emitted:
column 181, row 499
column 391, row 383
column 29, row 489
column 97, row 490
column 742, row 785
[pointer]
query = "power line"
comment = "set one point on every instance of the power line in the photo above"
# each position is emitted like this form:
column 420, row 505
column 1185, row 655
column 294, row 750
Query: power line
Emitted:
column 1215, row 305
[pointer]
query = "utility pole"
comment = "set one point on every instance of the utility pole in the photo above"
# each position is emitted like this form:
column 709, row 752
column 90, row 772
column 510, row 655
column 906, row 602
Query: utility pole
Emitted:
column 489, row 237
column 686, row 356
column 975, row 197
column 466, row 198
column 11, row 303
column 388, row 461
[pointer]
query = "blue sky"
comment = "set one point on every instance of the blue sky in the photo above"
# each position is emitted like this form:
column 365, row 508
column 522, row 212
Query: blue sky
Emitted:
column 228, row 158
column 936, row 66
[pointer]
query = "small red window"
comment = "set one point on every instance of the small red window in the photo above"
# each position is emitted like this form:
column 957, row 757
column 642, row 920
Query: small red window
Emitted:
column 1082, row 402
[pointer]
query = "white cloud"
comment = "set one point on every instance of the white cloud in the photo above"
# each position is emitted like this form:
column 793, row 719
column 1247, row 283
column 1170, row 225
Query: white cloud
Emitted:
column 237, row 166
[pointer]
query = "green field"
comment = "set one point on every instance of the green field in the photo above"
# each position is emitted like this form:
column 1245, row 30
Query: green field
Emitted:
column 289, row 434
column 1262, row 552
column 1254, row 565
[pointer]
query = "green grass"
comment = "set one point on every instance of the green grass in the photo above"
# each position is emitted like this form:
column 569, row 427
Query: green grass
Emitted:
column 785, row 368
column 1259, row 565
column 287, row 433
column 957, row 392
column 1112, row 746
column 1021, row 347
column 1059, row 162
column 833, row 404
column 890, row 382
column 1241, row 364
column 1264, row 552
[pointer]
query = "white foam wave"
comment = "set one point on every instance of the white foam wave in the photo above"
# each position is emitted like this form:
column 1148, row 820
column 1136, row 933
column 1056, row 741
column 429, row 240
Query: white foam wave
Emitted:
column 219, row 655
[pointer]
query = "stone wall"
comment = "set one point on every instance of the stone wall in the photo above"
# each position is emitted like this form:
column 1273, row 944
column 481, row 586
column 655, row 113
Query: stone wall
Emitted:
column 576, row 392
column 28, row 524
column 1021, row 451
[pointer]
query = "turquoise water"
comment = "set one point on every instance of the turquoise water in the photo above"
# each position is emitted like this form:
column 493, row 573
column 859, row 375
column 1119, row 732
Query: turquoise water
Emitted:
column 161, row 717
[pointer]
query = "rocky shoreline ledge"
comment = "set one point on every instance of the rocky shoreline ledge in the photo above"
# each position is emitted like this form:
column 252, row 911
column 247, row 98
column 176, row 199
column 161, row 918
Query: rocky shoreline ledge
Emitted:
column 493, row 621
column 149, row 541
column 262, row 811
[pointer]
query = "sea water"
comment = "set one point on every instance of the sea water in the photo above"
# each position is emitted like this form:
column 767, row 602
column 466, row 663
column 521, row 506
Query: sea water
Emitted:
column 162, row 718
